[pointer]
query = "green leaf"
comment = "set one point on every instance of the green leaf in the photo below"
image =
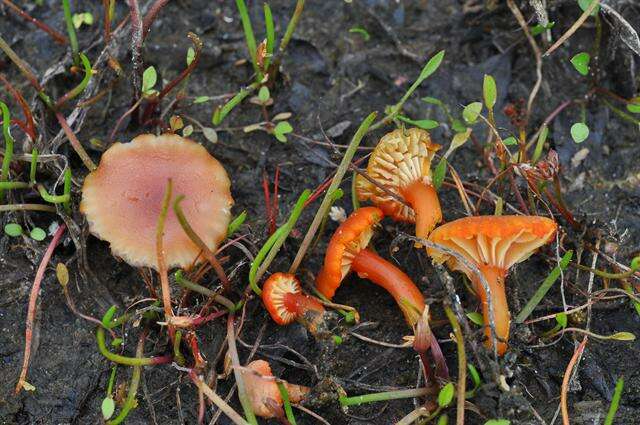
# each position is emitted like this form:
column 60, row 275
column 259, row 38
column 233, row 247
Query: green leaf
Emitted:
column 438, row 174
column 191, row 54
column 263, row 94
column 201, row 99
column 561, row 318
column 476, row 318
column 424, row 124
column 471, row 111
column 635, row 263
column 539, row 28
column 431, row 66
column 623, row 336
column 458, row 140
column 443, row 420
column 187, row 131
column 445, row 396
column 13, row 229
column 149, row 79
column 210, row 134
column 581, row 62
column 579, row 132
column 108, row 407
column 544, row 287
column 38, row 234
column 510, row 141
column 432, row 101
column 281, row 129
column 236, row 223
column 544, row 133
column 359, row 30
column 498, row 422
column 634, row 105
column 489, row 91
column 82, row 18
column 584, row 5
column 458, row 126
column 475, row 376
column 117, row 342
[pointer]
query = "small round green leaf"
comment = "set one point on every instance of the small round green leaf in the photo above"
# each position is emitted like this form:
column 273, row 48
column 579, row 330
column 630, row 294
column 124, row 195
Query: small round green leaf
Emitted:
column 579, row 132
column 584, row 5
column 201, row 99
column 443, row 420
column 38, row 234
column 623, row 336
column 498, row 422
column 191, row 54
column 635, row 263
column 471, row 111
column 509, row 141
column 149, row 79
column 13, row 229
column 281, row 129
column 561, row 318
column 581, row 62
column 264, row 94
column 445, row 396
column 108, row 407
column 458, row 126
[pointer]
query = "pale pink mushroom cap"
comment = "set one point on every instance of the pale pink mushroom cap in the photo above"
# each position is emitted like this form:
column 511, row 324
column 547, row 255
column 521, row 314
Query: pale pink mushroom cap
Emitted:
column 122, row 198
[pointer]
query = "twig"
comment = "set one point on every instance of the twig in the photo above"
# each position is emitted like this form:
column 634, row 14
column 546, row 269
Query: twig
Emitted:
column 573, row 28
column 75, row 143
column 335, row 183
column 235, row 360
column 136, row 46
column 219, row 402
column 27, row 207
column 33, row 298
column 462, row 365
column 57, row 36
column 151, row 16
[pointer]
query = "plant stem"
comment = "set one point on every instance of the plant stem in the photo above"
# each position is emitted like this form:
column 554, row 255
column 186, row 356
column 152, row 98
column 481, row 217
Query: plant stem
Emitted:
column 218, row 401
column 54, row 199
column 287, row 404
column 128, row 361
column 71, row 31
column 33, row 166
column 33, row 298
column 186, row 283
column 615, row 402
column 248, row 33
column 8, row 142
column 131, row 401
column 235, row 360
column 74, row 92
column 27, row 207
column 335, row 183
column 384, row 396
column 75, row 143
column 462, row 365
column 162, row 265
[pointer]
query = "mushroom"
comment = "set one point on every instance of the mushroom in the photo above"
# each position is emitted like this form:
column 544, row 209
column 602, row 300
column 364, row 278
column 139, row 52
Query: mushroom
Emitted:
column 122, row 198
column 494, row 244
column 263, row 392
column 401, row 163
column 347, row 251
column 283, row 297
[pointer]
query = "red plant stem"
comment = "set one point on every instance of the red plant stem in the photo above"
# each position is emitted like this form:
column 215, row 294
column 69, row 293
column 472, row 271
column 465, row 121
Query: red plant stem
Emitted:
column 28, row 116
column 57, row 37
column 107, row 21
column 267, row 203
column 276, row 184
column 75, row 143
column 151, row 16
column 136, row 47
column 516, row 191
column 33, row 298
column 325, row 184
column 371, row 266
column 126, row 114
column 566, row 378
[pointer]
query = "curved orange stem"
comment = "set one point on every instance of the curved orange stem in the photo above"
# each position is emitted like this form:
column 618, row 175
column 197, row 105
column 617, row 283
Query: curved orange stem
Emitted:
column 371, row 266
column 423, row 198
column 495, row 278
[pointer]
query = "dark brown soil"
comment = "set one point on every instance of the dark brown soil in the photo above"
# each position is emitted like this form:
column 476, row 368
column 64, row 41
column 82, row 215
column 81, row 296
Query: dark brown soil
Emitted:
column 332, row 76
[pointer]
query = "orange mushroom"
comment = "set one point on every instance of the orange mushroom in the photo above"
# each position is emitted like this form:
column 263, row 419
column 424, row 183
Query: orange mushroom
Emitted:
column 494, row 244
column 262, row 390
column 401, row 163
column 284, row 300
column 347, row 251
column 122, row 198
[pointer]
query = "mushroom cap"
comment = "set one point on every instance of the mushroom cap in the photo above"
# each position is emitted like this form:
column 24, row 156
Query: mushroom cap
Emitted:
column 122, row 198
column 401, row 157
column 261, row 390
column 274, row 291
column 496, row 241
column 351, row 236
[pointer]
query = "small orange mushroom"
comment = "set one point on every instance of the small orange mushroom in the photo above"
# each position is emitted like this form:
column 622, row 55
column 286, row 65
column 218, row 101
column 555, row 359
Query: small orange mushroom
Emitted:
column 122, row 198
column 494, row 244
column 347, row 251
column 284, row 300
column 262, row 389
column 401, row 163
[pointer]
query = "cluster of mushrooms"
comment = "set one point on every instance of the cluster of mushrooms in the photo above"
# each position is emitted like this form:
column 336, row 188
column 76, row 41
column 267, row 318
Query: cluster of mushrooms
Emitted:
column 122, row 200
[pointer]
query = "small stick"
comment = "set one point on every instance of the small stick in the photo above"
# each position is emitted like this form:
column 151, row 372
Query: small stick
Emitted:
column 573, row 28
column 57, row 36
column 462, row 365
column 565, row 381
column 151, row 16
column 33, row 298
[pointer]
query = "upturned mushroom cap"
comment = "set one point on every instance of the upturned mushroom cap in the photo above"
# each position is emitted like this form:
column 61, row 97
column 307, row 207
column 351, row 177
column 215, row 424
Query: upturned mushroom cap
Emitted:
column 402, row 157
column 274, row 292
column 122, row 198
column 351, row 236
column 263, row 390
column 496, row 241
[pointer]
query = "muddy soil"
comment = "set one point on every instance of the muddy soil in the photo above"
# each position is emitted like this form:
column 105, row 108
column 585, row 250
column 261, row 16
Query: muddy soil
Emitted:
column 331, row 76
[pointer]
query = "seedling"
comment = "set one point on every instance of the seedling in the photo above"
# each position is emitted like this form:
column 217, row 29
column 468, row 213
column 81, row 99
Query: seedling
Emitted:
column 581, row 63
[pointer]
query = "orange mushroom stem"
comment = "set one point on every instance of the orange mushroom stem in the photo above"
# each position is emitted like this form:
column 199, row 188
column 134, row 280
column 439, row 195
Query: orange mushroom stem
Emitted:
column 283, row 297
column 494, row 244
column 401, row 163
